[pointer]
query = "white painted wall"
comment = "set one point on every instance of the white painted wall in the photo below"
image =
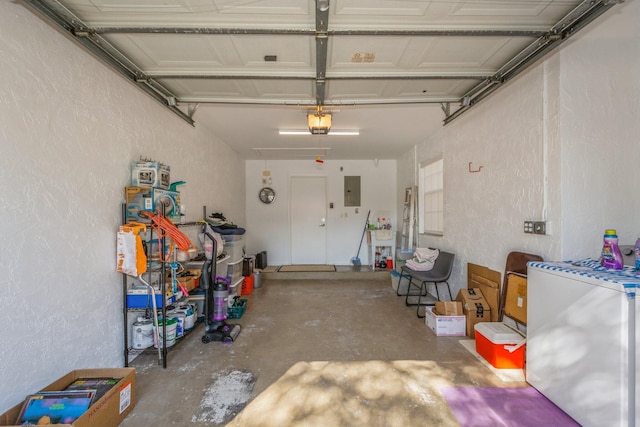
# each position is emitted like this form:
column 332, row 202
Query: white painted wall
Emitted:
column 69, row 129
column 559, row 143
column 600, row 92
column 268, row 225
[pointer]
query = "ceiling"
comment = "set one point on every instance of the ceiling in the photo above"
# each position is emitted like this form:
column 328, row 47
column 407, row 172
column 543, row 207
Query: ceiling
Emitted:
column 395, row 70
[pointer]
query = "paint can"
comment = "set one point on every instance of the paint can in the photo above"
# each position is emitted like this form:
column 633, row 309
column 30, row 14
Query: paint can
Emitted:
column 189, row 315
column 171, row 326
column 142, row 333
column 179, row 316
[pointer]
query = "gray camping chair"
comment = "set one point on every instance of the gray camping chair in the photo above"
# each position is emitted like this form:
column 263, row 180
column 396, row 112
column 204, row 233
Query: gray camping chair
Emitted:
column 439, row 274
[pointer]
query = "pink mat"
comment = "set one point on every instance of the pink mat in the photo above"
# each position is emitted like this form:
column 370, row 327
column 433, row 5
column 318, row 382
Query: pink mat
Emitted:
column 504, row 407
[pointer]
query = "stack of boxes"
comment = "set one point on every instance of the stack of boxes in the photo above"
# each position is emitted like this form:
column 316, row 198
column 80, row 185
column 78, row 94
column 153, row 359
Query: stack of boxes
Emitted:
column 475, row 314
column 149, row 191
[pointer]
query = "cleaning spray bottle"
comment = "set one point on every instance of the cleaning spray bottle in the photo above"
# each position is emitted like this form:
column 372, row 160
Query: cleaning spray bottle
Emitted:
column 611, row 256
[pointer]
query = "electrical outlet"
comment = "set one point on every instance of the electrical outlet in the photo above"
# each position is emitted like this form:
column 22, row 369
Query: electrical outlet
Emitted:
column 528, row 227
column 535, row 227
column 540, row 227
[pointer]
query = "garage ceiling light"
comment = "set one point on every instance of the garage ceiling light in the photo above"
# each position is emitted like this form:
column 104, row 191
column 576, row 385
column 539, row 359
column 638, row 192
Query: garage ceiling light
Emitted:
column 319, row 123
column 331, row 133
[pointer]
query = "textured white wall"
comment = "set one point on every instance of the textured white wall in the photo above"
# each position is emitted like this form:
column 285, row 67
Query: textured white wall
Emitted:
column 559, row 143
column 484, row 211
column 600, row 90
column 269, row 224
column 69, row 129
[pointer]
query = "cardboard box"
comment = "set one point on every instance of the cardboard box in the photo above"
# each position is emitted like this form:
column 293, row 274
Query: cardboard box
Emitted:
column 137, row 199
column 500, row 345
column 488, row 281
column 169, row 199
column 186, row 281
column 448, row 308
column 475, row 308
column 150, row 174
column 190, row 279
column 445, row 326
column 515, row 304
column 107, row 411
column 151, row 199
column 195, row 275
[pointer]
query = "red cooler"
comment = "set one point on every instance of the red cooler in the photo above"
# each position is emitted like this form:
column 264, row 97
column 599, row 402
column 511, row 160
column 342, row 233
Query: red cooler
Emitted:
column 500, row 345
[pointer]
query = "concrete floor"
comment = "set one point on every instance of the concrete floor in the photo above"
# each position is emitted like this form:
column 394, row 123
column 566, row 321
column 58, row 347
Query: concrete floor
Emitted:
column 353, row 341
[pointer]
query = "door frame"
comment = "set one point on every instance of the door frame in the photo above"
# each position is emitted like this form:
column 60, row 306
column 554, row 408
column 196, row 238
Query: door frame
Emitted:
column 292, row 201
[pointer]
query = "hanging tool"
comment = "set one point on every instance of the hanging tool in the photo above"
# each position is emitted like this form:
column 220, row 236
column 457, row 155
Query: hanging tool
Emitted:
column 356, row 260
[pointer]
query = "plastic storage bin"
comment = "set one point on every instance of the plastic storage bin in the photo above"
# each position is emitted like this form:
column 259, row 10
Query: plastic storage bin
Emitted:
column 247, row 285
column 236, row 311
column 395, row 281
column 234, row 247
column 145, row 300
column 234, row 271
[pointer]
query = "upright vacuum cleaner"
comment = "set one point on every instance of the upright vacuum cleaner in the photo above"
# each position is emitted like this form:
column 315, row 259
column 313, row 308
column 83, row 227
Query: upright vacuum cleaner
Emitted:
column 216, row 295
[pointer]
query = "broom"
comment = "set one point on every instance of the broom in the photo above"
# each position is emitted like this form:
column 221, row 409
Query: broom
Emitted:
column 356, row 260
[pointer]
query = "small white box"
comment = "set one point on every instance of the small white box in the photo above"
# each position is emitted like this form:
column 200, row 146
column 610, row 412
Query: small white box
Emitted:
column 445, row 326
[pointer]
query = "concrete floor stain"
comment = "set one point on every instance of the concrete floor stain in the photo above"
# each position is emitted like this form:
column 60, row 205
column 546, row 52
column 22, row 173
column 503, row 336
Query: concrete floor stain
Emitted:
column 226, row 397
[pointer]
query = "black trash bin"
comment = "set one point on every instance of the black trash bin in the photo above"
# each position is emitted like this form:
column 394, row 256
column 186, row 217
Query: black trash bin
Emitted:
column 261, row 260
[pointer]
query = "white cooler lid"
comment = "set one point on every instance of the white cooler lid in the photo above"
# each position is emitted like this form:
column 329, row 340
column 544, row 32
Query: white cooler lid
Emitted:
column 498, row 333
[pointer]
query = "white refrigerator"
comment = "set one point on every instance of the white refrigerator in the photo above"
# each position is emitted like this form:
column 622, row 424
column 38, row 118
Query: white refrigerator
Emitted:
column 582, row 339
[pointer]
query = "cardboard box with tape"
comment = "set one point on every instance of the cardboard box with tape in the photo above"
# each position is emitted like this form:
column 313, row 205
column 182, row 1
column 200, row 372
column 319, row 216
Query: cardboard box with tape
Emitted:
column 475, row 308
column 488, row 281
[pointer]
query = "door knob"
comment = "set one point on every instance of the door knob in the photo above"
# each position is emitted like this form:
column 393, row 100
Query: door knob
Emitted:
column 321, row 225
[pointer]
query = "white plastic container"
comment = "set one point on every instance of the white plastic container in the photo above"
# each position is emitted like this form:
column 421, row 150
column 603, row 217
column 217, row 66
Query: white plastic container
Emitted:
column 142, row 333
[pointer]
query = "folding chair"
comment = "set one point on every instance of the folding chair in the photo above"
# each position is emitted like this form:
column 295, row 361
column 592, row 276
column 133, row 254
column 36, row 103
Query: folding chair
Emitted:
column 440, row 273
column 516, row 263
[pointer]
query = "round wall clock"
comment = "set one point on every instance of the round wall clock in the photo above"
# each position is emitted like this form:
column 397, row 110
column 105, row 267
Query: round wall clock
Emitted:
column 267, row 195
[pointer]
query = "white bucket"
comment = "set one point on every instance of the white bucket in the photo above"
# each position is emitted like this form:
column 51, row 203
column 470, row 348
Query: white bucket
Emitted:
column 172, row 326
column 142, row 333
column 189, row 311
column 180, row 317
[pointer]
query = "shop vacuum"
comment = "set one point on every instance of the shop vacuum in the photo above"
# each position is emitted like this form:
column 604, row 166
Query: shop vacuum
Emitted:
column 216, row 295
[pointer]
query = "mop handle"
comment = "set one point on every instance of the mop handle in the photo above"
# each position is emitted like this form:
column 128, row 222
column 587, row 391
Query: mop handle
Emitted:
column 366, row 223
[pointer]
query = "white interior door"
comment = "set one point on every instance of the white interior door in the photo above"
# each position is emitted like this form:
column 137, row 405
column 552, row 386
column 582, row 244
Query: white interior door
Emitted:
column 308, row 220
